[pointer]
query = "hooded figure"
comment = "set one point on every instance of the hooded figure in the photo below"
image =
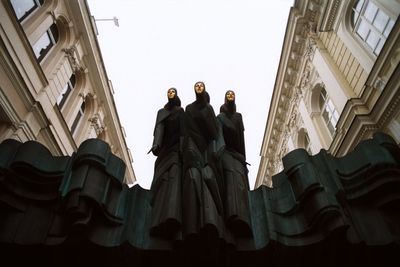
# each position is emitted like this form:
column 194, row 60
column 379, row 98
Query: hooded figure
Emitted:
column 166, row 186
column 234, row 168
column 202, row 177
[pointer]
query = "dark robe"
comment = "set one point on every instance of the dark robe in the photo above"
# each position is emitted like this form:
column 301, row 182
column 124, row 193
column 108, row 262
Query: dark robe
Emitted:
column 203, row 143
column 236, row 181
column 166, row 186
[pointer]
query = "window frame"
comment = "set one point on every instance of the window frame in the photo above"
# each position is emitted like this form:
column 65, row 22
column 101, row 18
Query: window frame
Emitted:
column 328, row 111
column 53, row 35
column 36, row 5
column 359, row 16
column 78, row 118
column 66, row 92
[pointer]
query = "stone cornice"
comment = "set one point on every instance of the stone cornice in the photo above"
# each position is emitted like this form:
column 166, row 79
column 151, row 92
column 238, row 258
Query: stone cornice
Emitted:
column 298, row 46
column 94, row 63
column 330, row 16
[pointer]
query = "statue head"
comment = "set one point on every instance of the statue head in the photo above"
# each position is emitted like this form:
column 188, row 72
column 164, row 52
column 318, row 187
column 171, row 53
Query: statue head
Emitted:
column 230, row 96
column 229, row 106
column 173, row 98
column 199, row 87
column 171, row 93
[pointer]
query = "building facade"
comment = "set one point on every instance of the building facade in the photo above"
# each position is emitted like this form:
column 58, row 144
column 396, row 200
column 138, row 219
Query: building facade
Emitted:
column 53, row 84
column 337, row 81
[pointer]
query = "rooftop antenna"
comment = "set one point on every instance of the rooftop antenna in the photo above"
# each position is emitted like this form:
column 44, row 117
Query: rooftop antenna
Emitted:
column 115, row 19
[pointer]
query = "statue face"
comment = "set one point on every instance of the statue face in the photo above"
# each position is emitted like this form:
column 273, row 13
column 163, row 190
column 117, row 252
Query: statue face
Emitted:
column 199, row 87
column 171, row 93
column 230, row 96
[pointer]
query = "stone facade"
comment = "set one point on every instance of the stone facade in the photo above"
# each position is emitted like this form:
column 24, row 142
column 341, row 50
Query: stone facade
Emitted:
column 336, row 82
column 53, row 84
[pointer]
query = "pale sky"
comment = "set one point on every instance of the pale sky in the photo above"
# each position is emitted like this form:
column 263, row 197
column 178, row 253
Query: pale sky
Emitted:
column 227, row 44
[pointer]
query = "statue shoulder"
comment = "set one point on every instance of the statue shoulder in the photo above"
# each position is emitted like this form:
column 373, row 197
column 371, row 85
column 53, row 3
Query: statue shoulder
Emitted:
column 189, row 107
column 221, row 116
column 162, row 114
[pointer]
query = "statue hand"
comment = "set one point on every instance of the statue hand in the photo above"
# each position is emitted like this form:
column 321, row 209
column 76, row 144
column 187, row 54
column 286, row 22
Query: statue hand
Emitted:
column 155, row 149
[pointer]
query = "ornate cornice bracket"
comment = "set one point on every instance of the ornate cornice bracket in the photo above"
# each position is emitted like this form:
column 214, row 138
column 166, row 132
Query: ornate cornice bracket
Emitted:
column 73, row 58
column 97, row 124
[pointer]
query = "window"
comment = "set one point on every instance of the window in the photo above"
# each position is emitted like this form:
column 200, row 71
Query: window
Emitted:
column 66, row 91
column 23, row 8
column 78, row 117
column 328, row 111
column 46, row 42
column 303, row 140
column 371, row 24
column 307, row 144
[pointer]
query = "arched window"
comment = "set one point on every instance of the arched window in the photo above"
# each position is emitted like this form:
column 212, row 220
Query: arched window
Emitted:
column 66, row 91
column 303, row 140
column 307, row 143
column 371, row 24
column 78, row 117
column 328, row 111
column 24, row 8
column 46, row 42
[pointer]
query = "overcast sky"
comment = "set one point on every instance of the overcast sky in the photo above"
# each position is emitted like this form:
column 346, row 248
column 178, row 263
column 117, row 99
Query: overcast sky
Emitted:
column 227, row 44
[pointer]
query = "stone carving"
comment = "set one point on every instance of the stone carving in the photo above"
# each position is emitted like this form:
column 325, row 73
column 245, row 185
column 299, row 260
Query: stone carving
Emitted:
column 97, row 124
column 73, row 58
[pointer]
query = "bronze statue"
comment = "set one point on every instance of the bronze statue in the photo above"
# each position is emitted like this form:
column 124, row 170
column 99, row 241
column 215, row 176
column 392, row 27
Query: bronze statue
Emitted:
column 235, row 169
column 202, row 204
column 166, row 185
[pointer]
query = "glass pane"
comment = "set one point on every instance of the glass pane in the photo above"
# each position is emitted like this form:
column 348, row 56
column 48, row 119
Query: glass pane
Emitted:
column 323, row 92
column 381, row 20
column 355, row 16
column 330, row 105
column 321, row 101
column 370, row 11
column 331, row 128
column 54, row 33
column 379, row 47
column 325, row 115
column 75, row 123
column 64, row 95
column 389, row 28
column 335, row 117
column 72, row 80
column 373, row 39
column 359, row 5
column 22, row 7
column 40, row 46
column 83, row 106
column 363, row 29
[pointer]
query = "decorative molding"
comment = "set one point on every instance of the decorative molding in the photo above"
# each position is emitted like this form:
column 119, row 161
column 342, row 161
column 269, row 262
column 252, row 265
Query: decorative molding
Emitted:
column 331, row 12
column 379, row 83
column 304, row 20
column 97, row 124
column 390, row 111
column 73, row 58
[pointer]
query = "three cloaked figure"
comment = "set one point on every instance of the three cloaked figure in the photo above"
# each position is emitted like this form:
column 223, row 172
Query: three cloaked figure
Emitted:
column 200, row 180
column 167, row 181
column 235, row 169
